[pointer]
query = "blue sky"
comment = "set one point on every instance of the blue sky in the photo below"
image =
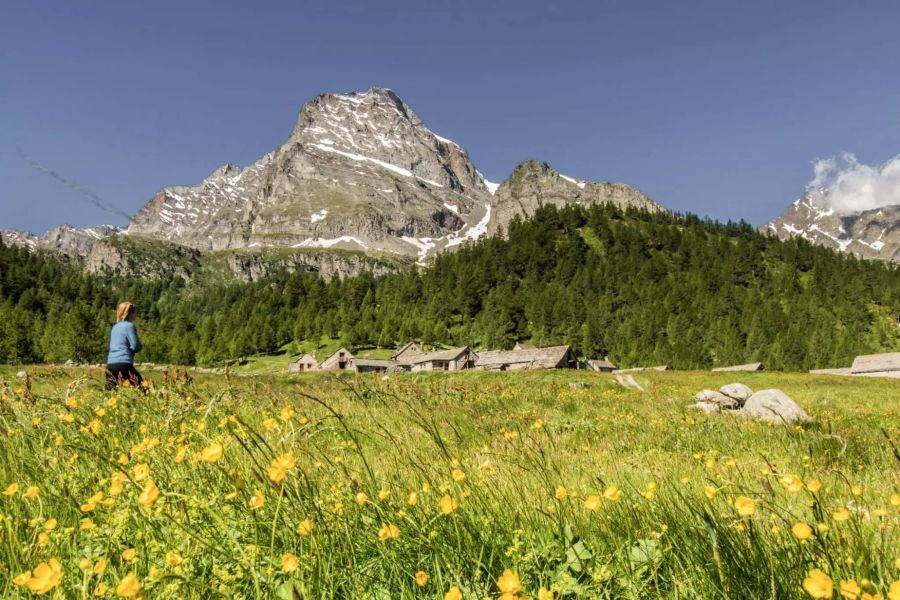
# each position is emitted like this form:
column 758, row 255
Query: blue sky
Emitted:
column 717, row 108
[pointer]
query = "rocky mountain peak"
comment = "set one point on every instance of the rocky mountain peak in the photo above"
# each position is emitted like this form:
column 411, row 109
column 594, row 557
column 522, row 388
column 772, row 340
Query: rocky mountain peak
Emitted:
column 534, row 184
column 871, row 233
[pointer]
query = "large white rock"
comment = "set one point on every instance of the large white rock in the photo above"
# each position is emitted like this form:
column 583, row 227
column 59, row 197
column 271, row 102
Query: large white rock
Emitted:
column 714, row 397
column 738, row 391
column 774, row 406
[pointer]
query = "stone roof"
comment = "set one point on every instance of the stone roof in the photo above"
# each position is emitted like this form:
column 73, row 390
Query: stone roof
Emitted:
column 451, row 354
column 373, row 362
column 748, row 367
column 601, row 363
column 537, row 358
column 876, row 363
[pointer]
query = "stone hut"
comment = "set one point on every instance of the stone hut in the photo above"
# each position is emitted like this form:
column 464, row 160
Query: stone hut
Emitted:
column 305, row 363
column 455, row 359
column 340, row 360
column 553, row 357
column 748, row 367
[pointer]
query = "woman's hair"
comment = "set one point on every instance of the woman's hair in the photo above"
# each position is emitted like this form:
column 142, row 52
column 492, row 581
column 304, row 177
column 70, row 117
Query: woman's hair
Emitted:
column 124, row 310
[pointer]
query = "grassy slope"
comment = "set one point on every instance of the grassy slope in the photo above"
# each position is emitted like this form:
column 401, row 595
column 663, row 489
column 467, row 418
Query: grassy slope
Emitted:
column 408, row 433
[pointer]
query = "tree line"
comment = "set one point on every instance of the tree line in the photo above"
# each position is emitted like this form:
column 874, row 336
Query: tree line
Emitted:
column 639, row 287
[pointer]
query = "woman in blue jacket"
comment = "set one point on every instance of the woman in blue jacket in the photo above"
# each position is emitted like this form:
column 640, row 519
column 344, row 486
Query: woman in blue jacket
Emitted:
column 123, row 343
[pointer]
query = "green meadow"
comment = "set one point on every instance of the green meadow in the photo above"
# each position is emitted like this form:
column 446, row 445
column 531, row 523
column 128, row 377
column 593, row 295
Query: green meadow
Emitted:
column 468, row 485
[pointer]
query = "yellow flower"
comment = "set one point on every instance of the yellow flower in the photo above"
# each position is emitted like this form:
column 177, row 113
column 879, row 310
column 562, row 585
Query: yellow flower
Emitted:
column 560, row 493
column 87, row 524
column 447, row 504
column 303, row 420
column 11, row 489
column 650, row 491
column 99, row 567
column 32, row 492
column 45, row 577
column 128, row 555
column 592, row 502
column 544, row 594
column 279, row 468
column 710, row 491
column 257, row 500
column 286, row 414
column 894, row 591
column 88, row 507
column 895, row 499
column 181, row 454
column 289, row 563
column 388, row 532
column 101, row 589
column 458, row 475
column 129, row 587
column 509, row 582
column 818, row 585
column 814, row 485
column 212, row 453
column 612, row 493
column 801, row 531
column 50, row 524
column 453, row 594
column 383, row 495
column 848, row 588
column 744, row 506
column 412, row 499
column 22, row 578
column 149, row 495
column 173, row 559
column 43, row 539
column 141, row 471
column 856, row 490
column 421, row 578
column 841, row 515
column 117, row 483
column 792, row 483
column 305, row 527
column 270, row 423
column 362, row 498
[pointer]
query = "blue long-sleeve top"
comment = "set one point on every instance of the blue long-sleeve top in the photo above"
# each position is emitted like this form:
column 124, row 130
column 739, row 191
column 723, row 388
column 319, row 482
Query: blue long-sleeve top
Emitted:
column 123, row 343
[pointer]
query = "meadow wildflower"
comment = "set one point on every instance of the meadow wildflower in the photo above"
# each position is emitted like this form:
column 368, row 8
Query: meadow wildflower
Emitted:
column 560, row 493
column 361, row 498
column 509, row 583
column 894, row 591
column 11, row 489
column 818, row 584
column 99, row 567
column 129, row 586
column 289, row 563
column 421, row 578
column 792, row 483
column 149, row 494
column 710, row 491
column 141, row 472
column 801, row 531
column 412, row 499
column 388, row 532
column 212, row 453
column 841, row 514
column 458, row 475
column 814, row 485
column 453, row 593
column 280, row 466
column 848, row 588
column 44, row 577
column 592, row 502
column 612, row 493
column 129, row 555
column 447, row 504
column 305, row 527
column 173, row 559
column 257, row 500
column 286, row 414
column 744, row 506
column 32, row 492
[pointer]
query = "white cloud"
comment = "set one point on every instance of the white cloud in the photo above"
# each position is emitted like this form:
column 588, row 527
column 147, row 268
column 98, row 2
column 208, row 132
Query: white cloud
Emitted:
column 849, row 186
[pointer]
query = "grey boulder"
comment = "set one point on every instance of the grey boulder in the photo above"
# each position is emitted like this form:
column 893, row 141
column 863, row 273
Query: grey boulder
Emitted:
column 774, row 406
column 738, row 391
column 717, row 398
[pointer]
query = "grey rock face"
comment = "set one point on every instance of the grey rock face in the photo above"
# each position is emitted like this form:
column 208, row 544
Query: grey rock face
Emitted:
column 64, row 240
column 142, row 258
column 358, row 172
column 873, row 234
column 774, row 406
column 737, row 391
column 707, row 407
column 535, row 184
column 254, row 266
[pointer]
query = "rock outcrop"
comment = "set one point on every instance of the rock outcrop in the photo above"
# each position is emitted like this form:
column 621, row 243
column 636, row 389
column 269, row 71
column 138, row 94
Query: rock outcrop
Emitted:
column 769, row 405
column 64, row 240
column 534, row 184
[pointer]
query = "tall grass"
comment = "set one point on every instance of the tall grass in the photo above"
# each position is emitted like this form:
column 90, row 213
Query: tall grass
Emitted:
column 597, row 493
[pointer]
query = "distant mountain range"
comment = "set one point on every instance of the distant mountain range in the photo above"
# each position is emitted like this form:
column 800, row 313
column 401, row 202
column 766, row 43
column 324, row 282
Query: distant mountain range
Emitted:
column 873, row 234
column 361, row 174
